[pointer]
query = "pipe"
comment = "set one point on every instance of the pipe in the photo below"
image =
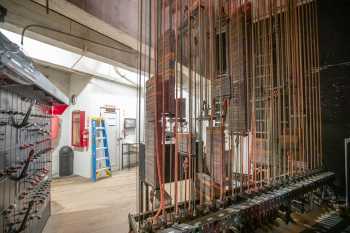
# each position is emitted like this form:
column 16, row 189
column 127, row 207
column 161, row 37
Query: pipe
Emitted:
column 126, row 79
column 47, row 7
column 347, row 197
column 158, row 129
column 74, row 36
column 176, row 168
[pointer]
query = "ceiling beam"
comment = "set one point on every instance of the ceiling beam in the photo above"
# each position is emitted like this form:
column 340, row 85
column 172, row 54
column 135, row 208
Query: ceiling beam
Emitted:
column 21, row 13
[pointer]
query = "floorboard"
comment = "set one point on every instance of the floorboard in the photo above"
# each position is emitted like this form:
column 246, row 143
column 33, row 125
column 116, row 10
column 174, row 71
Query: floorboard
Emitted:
column 80, row 206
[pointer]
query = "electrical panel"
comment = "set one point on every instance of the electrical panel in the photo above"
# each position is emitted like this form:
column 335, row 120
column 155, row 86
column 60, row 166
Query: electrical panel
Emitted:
column 27, row 101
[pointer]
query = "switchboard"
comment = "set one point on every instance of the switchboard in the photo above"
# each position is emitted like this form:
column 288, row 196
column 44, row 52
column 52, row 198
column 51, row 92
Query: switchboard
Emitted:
column 27, row 101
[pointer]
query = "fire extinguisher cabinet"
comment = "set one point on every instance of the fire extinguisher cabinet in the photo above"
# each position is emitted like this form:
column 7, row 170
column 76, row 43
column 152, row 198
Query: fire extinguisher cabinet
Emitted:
column 80, row 135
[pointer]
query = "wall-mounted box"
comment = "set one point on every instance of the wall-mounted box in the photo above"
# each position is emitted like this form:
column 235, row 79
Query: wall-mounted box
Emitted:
column 129, row 123
column 80, row 135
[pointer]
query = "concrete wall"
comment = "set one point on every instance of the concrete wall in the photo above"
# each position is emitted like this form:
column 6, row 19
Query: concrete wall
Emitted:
column 61, row 79
column 116, row 13
column 92, row 93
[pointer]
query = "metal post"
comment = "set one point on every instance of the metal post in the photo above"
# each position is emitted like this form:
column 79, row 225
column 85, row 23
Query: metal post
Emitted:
column 122, row 155
column 346, row 172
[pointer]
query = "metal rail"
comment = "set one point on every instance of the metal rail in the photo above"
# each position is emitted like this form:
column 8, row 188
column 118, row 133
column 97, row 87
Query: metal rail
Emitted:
column 347, row 194
column 239, row 215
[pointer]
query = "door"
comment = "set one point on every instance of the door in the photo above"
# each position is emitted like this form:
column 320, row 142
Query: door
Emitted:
column 112, row 122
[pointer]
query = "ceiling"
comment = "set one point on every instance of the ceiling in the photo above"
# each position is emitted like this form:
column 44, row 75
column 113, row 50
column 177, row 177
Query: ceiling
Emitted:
column 108, row 36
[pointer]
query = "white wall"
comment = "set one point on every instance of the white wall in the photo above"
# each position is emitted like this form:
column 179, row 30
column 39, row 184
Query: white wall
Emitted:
column 61, row 80
column 92, row 93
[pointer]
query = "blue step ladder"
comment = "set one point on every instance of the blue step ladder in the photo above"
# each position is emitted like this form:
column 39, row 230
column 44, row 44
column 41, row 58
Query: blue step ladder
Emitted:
column 101, row 163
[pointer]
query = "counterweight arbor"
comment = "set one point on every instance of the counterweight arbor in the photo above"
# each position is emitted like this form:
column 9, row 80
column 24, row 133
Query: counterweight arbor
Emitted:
column 232, row 106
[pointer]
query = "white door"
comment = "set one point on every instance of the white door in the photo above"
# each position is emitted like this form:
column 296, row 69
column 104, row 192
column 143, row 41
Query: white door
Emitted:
column 112, row 121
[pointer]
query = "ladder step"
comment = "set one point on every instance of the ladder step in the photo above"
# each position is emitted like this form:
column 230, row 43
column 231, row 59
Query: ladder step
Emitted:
column 100, row 138
column 102, row 169
column 102, row 158
column 100, row 127
column 101, row 148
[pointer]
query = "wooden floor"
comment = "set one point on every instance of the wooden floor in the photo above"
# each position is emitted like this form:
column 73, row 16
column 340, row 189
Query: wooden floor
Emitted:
column 80, row 206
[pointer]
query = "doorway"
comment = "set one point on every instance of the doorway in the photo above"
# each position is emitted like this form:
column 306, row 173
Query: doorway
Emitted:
column 111, row 115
